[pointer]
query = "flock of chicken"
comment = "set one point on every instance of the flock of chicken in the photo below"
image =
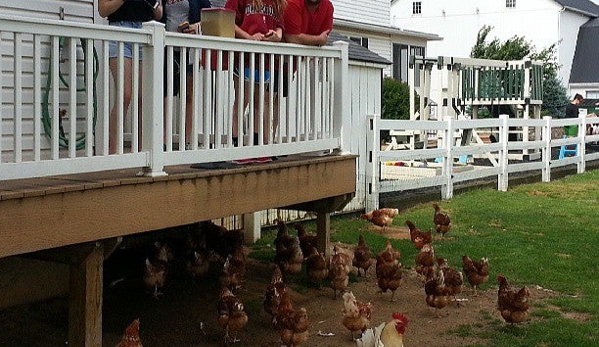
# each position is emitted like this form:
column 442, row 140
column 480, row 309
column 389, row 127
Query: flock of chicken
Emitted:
column 441, row 282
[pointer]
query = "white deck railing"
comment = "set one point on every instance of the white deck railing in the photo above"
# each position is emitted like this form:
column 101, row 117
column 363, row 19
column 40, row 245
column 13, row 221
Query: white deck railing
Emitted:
column 450, row 162
column 58, row 92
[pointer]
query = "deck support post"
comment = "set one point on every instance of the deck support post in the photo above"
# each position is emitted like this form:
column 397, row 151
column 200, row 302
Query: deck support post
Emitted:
column 251, row 227
column 85, row 300
column 323, row 234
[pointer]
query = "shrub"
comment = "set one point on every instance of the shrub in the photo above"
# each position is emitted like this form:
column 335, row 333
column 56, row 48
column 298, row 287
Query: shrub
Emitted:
column 396, row 99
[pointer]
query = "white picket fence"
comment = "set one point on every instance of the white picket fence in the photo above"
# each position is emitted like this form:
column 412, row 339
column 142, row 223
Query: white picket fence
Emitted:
column 449, row 162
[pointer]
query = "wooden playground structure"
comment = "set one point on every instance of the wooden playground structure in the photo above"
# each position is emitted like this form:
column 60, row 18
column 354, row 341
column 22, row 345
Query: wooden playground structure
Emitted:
column 464, row 87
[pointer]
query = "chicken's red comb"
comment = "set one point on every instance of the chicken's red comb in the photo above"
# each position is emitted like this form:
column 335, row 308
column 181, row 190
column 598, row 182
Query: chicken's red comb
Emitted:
column 401, row 317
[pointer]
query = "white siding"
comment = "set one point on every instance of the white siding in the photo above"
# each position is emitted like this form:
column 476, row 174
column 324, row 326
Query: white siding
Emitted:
column 74, row 10
column 541, row 22
column 379, row 44
column 382, row 47
column 461, row 22
column 568, row 34
column 365, row 91
column 367, row 11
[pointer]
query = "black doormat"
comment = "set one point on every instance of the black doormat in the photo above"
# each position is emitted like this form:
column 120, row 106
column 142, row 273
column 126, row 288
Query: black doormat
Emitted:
column 219, row 165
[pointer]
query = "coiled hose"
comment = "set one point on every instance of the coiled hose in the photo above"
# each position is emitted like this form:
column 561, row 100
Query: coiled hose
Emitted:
column 47, row 120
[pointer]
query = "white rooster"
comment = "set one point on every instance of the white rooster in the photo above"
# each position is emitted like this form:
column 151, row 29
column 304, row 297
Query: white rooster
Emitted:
column 388, row 334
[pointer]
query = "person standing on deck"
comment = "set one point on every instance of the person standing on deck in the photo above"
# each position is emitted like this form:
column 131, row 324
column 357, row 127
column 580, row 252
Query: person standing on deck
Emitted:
column 259, row 20
column 182, row 16
column 308, row 22
column 126, row 14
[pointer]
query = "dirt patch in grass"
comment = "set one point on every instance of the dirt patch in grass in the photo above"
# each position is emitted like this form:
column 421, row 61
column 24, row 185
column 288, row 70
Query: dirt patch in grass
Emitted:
column 174, row 320
column 393, row 232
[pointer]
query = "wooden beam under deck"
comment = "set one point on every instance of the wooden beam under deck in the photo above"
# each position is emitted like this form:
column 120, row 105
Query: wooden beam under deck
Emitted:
column 60, row 211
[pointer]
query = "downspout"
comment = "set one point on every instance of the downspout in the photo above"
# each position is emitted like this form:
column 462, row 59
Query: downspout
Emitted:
column 559, row 36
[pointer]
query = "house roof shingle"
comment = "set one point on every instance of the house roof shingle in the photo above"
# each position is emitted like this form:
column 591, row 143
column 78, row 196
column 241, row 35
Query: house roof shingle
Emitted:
column 356, row 52
column 584, row 65
column 585, row 6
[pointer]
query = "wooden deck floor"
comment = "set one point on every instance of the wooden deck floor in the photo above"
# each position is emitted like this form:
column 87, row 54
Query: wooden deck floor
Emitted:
column 43, row 213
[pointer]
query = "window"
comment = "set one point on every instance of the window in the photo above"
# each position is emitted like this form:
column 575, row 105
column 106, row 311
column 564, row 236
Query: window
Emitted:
column 417, row 7
column 417, row 50
column 510, row 3
column 400, row 61
column 592, row 94
column 362, row 41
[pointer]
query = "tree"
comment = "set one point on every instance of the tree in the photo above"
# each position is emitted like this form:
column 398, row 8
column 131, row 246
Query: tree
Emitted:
column 518, row 48
column 514, row 48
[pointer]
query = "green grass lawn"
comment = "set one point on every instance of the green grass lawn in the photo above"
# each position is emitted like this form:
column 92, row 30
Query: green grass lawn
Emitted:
column 536, row 234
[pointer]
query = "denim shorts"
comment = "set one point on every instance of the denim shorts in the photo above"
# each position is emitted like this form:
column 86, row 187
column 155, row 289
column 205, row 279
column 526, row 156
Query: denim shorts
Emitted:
column 113, row 47
column 247, row 75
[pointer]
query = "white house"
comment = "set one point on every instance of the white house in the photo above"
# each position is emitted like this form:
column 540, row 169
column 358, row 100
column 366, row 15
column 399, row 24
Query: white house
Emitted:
column 542, row 22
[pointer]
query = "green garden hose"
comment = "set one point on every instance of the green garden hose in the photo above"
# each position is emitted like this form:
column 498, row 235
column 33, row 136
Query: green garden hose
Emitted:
column 47, row 120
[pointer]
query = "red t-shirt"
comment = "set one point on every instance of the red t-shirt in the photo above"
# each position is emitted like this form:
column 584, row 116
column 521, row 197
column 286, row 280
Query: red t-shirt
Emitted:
column 253, row 20
column 298, row 20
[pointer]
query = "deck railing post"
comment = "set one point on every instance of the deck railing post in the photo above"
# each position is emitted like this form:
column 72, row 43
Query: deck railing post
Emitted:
column 546, row 152
column 502, row 177
column 152, row 99
column 342, row 112
column 372, row 163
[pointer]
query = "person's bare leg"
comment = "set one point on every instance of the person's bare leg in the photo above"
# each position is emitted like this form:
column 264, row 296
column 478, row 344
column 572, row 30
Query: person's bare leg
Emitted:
column 235, row 121
column 266, row 122
column 275, row 117
column 189, row 110
column 112, row 142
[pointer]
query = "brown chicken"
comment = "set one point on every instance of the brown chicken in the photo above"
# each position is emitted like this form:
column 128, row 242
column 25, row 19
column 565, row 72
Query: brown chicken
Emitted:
column 274, row 291
column 316, row 267
column 441, row 220
column 222, row 241
column 387, row 334
column 477, row 272
column 388, row 270
column 231, row 315
column 155, row 275
column 388, row 254
column 163, row 252
column 131, row 336
column 362, row 256
column 306, row 240
column 289, row 256
column 291, row 324
column 338, row 271
column 512, row 303
column 437, row 295
column 198, row 264
column 382, row 217
column 344, row 256
column 425, row 261
column 419, row 238
column 233, row 273
column 356, row 314
column 454, row 279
